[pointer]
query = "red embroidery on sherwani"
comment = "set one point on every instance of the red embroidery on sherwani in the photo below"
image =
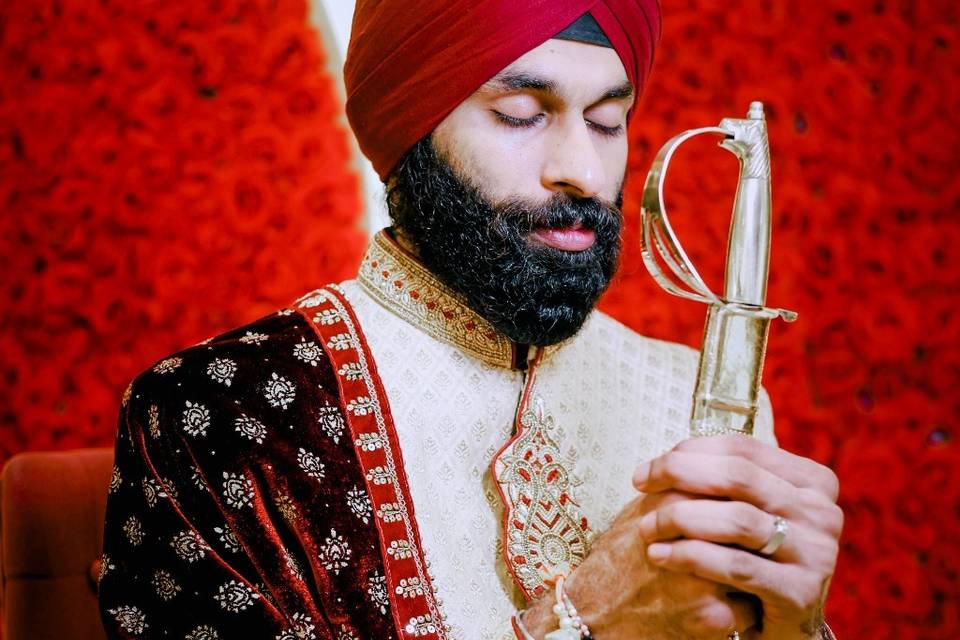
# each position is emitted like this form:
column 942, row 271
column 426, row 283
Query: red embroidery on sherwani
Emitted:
column 545, row 534
column 413, row 601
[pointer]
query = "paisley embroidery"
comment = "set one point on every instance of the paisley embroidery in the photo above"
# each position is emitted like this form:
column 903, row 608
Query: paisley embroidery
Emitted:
column 546, row 534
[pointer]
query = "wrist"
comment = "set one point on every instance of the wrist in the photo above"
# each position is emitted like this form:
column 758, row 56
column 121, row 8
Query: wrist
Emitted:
column 538, row 619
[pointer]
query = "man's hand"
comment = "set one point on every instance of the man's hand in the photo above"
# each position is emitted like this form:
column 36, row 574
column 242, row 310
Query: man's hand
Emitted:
column 710, row 506
column 621, row 595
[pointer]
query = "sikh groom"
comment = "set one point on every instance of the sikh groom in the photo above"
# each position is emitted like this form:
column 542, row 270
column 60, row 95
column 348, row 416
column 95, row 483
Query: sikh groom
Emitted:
column 453, row 444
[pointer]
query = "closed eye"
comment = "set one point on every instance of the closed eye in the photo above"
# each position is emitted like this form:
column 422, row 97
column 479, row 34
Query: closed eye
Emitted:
column 605, row 130
column 519, row 123
column 523, row 123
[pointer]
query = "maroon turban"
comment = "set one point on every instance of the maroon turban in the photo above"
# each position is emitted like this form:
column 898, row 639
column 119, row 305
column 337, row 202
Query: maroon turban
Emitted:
column 411, row 62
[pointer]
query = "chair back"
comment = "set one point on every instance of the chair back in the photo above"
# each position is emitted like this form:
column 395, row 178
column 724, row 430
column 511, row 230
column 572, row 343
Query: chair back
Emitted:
column 51, row 535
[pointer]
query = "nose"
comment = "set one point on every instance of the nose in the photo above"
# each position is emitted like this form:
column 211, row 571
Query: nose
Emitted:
column 573, row 165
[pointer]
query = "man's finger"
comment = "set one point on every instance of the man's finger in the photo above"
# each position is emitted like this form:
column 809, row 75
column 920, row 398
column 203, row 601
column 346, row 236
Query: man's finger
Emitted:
column 728, row 477
column 771, row 581
column 799, row 471
column 720, row 521
column 721, row 618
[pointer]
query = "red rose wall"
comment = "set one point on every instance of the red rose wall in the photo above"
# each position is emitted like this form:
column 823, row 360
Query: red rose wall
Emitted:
column 167, row 173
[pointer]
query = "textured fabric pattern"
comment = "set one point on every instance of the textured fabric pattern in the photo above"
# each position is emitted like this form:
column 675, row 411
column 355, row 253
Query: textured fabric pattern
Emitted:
column 237, row 508
column 416, row 610
column 617, row 399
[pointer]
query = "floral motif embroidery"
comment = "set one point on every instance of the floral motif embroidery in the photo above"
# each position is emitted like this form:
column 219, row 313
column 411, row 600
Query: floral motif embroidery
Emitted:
column 379, row 475
column 331, row 422
column 203, row 632
column 351, row 371
column 359, row 503
column 400, row 549
column 130, row 619
column 167, row 489
column 228, row 538
column 150, row 491
column 341, row 342
column 279, row 391
column 250, row 428
column 349, row 359
column 253, row 338
column 335, row 553
column 286, row 507
column 345, row 634
column 377, row 590
column 310, row 463
column 196, row 478
column 115, row 480
column 360, row 406
column 327, row 317
column 125, row 400
column 390, row 512
column 293, row 565
column 301, row 629
column 166, row 587
column 421, row 625
column 237, row 490
column 168, row 366
column 189, row 546
column 133, row 531
column 222, row 370
column 153, row 421
column 409, row 588
column 369, row 441
column 106, row 565
column 311, row 302
column 235, row 596
column 196, row 419
column 309, row 352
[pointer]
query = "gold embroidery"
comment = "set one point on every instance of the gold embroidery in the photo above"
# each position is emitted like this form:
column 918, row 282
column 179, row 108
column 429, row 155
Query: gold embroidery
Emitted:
column 546, row 534
column 407, row 288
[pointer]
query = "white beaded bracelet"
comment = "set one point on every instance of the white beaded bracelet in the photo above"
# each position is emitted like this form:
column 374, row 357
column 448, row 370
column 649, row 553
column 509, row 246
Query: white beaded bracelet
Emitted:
column 572, row 626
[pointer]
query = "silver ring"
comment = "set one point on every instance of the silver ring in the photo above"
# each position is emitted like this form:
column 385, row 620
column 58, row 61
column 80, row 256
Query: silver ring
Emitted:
column 734, row 635
column 780, row 528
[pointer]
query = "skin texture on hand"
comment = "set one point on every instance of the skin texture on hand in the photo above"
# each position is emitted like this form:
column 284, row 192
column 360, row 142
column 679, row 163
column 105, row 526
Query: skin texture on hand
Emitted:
column 711, row 504
column 619, row 592
column 681, row 561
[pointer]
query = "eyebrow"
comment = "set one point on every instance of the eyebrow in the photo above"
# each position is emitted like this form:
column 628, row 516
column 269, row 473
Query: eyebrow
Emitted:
column 519, row 81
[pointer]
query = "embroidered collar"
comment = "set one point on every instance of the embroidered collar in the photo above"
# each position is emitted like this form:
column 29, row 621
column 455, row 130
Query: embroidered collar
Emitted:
column 400, row 283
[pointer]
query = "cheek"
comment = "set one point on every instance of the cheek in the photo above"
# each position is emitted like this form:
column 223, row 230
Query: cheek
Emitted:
column 614, row 159
column 494, row 158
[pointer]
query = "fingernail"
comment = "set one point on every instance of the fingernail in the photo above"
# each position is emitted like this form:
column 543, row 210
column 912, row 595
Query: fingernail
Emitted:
column 658, row 552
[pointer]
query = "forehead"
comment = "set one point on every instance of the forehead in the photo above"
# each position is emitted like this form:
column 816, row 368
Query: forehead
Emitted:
column 577, row 70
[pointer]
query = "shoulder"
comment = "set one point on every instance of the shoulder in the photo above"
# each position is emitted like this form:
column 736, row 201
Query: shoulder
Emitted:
column 237, row 389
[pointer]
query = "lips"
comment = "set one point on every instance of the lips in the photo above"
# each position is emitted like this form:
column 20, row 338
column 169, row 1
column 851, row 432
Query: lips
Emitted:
column 572, row 238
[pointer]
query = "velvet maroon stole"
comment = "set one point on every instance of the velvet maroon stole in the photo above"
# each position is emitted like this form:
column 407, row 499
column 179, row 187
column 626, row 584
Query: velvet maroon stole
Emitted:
column 259, row 492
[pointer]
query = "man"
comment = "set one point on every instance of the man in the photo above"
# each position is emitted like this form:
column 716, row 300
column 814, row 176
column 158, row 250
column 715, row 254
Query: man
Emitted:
column 444, row 446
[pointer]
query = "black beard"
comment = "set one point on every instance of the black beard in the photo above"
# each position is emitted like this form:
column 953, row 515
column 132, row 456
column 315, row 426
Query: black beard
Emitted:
column 532, row 293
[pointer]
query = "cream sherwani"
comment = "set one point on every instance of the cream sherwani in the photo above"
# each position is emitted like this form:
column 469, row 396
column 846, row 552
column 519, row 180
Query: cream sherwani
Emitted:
column 613, row 399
